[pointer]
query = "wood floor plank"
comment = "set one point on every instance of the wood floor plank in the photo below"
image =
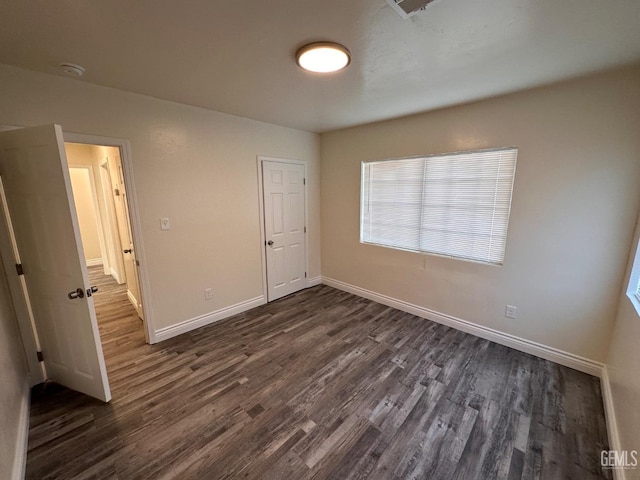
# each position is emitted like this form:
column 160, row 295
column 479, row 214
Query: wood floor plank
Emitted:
column 321, row 384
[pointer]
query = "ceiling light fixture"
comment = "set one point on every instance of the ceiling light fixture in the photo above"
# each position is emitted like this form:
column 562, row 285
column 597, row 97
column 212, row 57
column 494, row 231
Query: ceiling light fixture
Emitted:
column 323, row 57
column 72, row 69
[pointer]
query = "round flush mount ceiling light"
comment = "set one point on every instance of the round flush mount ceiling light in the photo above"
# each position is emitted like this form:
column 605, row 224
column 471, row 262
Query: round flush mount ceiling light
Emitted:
column 323, row 57
column 72, row 69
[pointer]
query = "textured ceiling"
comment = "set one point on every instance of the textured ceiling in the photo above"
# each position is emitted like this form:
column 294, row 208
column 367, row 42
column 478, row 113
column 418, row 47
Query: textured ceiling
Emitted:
column 237, row 57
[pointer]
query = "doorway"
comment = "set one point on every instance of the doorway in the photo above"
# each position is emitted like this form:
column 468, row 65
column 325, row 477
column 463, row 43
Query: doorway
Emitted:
column 283, row 214
column 101, row 202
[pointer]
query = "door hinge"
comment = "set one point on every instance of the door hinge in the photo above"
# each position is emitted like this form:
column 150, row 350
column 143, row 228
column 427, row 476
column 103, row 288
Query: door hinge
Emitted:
column 19, row 269
column 305, row 274
column 304, row 181
column 305, row 229
column 40, row 356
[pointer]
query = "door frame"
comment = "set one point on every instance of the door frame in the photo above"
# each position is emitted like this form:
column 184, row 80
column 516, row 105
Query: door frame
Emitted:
column 134, row 219
column 17, row 289
column 18, row 292
column 263, row 254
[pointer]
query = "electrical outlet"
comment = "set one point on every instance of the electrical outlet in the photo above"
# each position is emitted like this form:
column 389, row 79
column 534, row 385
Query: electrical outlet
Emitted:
column 510, row 311
column 208, row 294
column 165, row 224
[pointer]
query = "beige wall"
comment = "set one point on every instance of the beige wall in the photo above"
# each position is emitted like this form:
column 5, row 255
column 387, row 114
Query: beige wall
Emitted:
column 87, row 220
column 194, row 166
column 79, row 154
column 13, row 374
column 575, row 201
column 623, row 362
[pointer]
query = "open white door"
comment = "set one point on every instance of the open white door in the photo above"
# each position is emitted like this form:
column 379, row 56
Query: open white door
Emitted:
column 284, row 226
column 124, row 230
column 34, row 168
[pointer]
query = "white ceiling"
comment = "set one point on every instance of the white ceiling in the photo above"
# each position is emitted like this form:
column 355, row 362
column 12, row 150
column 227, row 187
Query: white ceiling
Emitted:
column 237, row 56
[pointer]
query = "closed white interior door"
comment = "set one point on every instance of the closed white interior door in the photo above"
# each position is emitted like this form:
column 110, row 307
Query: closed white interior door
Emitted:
column 284, row 225
column 40, row 201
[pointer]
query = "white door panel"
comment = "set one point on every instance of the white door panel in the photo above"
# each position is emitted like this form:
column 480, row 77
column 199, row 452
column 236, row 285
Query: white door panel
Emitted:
column 38, row 191
column 284, row 208
column 279, row 277
column 277, row 208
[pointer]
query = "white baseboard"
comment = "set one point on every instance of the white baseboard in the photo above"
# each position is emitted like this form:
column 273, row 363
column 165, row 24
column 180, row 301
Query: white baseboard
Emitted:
column 133, row 300
column 134, row 303
column 543, row 351
column 115, row 276
column 312, row 282
column 20, row 459
column 207, row 319
column 94, row 262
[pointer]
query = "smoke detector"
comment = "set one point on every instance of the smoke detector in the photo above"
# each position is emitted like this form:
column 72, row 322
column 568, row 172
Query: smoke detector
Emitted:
column 408, row 8
column 72, row 69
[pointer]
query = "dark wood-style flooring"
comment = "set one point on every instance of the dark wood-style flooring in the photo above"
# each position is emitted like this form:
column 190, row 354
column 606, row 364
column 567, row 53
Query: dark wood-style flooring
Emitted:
column 320, row 384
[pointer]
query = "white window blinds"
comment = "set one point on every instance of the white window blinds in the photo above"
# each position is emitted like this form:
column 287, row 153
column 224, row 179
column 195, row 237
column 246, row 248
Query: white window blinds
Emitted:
column 454, row 204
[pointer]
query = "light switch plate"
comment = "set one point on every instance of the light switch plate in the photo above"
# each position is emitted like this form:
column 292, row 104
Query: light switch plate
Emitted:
column 164, row 224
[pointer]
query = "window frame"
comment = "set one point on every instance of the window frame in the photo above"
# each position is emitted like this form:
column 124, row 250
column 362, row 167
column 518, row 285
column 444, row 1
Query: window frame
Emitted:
column 425, row 157
column 633, row 288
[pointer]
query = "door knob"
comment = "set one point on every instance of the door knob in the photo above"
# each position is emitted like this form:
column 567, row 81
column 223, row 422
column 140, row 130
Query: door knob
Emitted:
column 91, row 290
column 270, row 242
column 128, row 250
column 78, row 293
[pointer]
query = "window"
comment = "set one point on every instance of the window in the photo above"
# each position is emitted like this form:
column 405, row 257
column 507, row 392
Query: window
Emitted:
column 633, row 290
column 454, row 204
